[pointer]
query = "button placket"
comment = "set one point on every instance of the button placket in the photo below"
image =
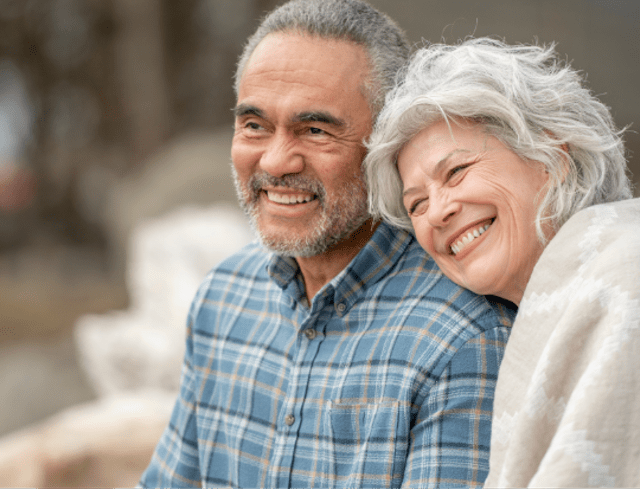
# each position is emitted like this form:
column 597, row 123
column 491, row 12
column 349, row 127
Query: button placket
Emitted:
column 310, row 333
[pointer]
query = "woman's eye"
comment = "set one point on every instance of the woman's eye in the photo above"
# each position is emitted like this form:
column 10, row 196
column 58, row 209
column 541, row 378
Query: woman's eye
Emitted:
column 418, row 207
column 457, row 169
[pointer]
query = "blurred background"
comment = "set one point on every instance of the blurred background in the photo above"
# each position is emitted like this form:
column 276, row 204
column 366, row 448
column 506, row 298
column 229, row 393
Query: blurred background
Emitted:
column 116, row 197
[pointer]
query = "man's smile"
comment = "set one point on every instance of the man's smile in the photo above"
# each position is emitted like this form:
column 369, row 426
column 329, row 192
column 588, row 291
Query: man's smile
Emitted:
column 289, row 198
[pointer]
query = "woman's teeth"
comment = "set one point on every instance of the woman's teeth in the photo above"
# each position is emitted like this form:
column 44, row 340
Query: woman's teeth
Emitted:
column 457, row 247
column 288, row 198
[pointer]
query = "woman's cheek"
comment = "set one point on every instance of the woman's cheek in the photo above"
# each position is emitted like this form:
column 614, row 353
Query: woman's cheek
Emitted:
column 423, row 235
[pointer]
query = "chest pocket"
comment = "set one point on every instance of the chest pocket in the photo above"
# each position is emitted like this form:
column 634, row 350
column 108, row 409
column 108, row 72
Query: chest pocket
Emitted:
column 368, row 443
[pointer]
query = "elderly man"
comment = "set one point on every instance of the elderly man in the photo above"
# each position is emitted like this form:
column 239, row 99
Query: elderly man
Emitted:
column 333, row 353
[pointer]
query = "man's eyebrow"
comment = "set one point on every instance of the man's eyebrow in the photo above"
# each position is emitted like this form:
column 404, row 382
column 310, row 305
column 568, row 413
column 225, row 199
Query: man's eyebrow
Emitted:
column 247, row 110
column 318, row 116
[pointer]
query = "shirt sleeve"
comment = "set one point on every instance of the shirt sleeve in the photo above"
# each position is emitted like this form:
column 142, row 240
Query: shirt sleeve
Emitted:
column 450, row 441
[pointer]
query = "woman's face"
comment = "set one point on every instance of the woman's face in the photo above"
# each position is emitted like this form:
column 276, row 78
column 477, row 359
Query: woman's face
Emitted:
column 472, row 202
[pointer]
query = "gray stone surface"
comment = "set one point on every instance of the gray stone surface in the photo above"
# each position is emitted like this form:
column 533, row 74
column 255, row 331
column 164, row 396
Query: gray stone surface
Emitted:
column 39, row 379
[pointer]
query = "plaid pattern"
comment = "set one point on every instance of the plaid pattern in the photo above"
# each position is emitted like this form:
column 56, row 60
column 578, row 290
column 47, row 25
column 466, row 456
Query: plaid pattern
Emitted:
column 386, row 379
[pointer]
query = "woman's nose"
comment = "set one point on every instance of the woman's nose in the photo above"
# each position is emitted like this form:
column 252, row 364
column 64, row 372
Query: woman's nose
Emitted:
column 442, row 207
column 281, row 156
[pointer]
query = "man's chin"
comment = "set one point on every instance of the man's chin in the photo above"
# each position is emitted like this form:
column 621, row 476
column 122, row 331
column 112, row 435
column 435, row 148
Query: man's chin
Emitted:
column 317, row 243
column 293, row 247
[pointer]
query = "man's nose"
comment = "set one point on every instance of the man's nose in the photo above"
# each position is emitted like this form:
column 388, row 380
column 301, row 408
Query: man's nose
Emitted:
column 281, row 156
column 442, row 207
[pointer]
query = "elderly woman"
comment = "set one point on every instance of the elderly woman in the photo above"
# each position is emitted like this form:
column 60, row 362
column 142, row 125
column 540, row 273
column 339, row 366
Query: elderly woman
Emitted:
column 488, row 153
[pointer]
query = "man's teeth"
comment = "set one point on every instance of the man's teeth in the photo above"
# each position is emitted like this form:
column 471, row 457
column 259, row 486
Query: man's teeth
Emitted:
column 288, row 198
column 468, row 238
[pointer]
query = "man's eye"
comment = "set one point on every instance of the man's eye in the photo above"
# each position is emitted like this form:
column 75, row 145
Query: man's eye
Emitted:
column 253, row 125
column 316, row 131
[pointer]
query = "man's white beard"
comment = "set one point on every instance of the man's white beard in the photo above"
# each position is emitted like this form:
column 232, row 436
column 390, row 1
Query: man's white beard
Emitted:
column 337, row 220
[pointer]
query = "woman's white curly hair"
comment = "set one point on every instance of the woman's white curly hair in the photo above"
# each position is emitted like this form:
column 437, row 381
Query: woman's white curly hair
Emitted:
column 523, row 95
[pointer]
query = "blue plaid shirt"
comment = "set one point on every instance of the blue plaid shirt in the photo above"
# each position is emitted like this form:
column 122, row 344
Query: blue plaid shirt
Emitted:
column 385, row 380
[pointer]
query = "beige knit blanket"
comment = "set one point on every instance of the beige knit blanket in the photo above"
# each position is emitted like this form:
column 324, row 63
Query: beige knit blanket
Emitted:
column 567, row 406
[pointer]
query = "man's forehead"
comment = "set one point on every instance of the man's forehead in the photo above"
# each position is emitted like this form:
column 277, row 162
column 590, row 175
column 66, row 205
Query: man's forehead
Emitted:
column 289, row 40
column 333, row 59
column 299, row 78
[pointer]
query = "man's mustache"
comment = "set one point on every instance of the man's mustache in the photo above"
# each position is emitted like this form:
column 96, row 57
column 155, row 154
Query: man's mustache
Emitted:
column 297, row 182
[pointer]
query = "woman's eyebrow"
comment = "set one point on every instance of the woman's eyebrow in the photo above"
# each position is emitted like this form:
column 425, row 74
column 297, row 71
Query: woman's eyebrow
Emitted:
column 410, row 190
column 443, row 161
column 438, row 167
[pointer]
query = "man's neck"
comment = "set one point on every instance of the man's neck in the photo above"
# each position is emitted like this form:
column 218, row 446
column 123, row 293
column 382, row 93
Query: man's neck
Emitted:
column 320, row 269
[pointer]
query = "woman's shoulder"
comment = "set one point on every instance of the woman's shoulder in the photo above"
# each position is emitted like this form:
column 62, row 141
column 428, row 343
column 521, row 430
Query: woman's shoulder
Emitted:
column 599, row 225
column 595, row 249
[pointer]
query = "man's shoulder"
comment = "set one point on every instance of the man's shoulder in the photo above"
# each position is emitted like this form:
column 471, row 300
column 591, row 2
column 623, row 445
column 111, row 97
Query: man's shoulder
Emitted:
column 595, row 251
column 417, row 281
column 232, row 280
column 238, row 272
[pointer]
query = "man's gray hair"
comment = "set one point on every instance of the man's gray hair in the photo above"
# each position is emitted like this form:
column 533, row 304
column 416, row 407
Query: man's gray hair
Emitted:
column 523, row 95
column 350, row 20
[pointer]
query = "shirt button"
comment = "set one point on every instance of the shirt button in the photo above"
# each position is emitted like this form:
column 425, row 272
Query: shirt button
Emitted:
column 310, row 333
column 341, row 307
column 289, row 419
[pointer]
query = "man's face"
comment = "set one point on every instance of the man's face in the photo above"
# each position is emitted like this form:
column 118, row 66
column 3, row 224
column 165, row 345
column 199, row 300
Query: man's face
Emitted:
column 301, row 119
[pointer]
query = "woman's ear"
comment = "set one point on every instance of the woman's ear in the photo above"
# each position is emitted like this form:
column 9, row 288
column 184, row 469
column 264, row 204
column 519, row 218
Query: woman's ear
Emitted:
column 565, row 157
column 566, row 162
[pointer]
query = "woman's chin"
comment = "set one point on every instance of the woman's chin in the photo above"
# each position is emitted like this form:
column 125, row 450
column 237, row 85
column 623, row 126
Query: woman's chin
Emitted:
column 490, row 289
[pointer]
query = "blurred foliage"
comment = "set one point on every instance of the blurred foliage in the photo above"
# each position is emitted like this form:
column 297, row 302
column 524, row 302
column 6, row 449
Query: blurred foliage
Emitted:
column 89, row 89
column 101, row 85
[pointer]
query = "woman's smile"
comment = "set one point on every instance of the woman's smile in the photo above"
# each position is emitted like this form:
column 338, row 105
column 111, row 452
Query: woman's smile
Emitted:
column 459, row 244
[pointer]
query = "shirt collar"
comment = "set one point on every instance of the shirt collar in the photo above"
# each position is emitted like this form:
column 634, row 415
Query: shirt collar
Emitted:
column 372, row 263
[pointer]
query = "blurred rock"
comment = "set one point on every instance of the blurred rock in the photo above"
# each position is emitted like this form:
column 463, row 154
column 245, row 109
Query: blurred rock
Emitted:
column 39, row 378
column 192, row 169
column 132, row 358
column 168, row 258
column 102, row 444
column 45, row 287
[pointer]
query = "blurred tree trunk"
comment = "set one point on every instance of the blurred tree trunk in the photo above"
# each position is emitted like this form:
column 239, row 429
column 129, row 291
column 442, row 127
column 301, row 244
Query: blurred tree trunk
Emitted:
column 141, row 73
